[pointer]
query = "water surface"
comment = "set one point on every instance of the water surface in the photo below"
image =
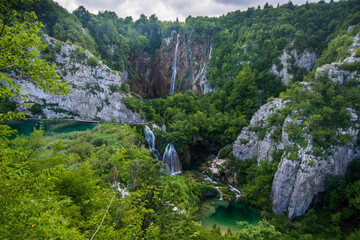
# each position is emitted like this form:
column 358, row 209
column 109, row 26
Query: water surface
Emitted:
column 57, row 126
column 226, row 215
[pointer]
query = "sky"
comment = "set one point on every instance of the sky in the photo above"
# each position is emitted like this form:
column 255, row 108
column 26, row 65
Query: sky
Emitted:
column 169, row 10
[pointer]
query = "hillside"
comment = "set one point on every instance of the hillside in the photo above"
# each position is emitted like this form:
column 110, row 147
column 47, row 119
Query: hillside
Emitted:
column 258, row 107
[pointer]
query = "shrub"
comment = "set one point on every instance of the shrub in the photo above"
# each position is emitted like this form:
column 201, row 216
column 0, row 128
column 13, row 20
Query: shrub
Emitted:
column 92, row 61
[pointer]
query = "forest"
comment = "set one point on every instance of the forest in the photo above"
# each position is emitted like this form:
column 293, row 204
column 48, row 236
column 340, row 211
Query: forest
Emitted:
column 107, row 183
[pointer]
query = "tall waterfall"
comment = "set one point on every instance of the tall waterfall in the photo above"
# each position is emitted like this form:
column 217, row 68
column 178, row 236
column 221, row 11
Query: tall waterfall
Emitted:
column 150, row 138
column 171, row 160
column 210, row 51
column 174, row 68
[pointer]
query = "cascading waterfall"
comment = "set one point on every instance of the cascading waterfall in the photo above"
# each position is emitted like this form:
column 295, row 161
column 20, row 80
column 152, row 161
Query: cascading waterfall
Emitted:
column 217, row 157
column 201, row 71
column 174, row 68
column 236, row 191
column 150, row 138
column 207, row 178
column 171, row 160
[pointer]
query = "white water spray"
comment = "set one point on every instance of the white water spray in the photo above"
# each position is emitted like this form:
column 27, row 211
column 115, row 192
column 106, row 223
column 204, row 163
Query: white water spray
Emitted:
column 217, row 157
column 150, row 138
column 236, row 191
column 174, row 68
column 207, row 178
column 171, row 160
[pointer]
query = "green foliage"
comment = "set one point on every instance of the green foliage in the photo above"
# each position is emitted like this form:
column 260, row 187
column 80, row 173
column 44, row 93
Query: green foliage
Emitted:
column 262, row 231
column 125, row 88
column 20, row 54
column 92, row 61
column 259, row 183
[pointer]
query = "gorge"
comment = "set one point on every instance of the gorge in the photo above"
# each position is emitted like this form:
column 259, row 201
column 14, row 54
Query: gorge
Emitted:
column 252, row 116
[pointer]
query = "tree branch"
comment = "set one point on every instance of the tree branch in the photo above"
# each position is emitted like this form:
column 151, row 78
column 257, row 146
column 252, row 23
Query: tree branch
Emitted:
column 103, row 217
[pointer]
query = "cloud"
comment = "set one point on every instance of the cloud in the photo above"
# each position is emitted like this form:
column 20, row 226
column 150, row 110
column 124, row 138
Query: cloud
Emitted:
column 236, row 2
column 169, row 9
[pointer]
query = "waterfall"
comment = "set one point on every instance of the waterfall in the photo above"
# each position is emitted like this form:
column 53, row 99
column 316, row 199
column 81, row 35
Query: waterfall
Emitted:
column 236, row 191
column 156, row 126
column 124, row 192
column 174, row 68
column 210, row 51
column 150, row 138
column 201, row 70
column 171, row 160
column 221, row 196
column 217, row 157
column 207, row 178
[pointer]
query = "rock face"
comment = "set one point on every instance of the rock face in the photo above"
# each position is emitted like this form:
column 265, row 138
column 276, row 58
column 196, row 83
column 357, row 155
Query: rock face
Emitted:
column 94, row 93
column 220, row 170
column 249, row 145
column 306, row 60
column 154, row 71
column 310, row 177
column 301, row 174
column 335, row 70
column 297, row 181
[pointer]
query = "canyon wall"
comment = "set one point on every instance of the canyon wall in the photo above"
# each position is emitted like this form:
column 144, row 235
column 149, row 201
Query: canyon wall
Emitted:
column 153, row 72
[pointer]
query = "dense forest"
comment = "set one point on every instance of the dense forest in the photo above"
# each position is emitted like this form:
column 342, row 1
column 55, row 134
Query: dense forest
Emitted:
column 105, row 183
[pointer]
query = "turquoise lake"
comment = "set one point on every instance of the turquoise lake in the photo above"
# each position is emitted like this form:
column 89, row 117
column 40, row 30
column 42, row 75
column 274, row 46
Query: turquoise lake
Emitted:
column 57, row 126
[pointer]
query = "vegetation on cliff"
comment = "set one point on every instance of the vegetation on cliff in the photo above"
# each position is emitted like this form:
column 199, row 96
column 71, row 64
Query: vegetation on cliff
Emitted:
column 60, row 186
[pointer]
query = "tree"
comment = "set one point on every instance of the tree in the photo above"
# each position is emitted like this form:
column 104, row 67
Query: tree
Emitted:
column 19, row 53
column 262, row 231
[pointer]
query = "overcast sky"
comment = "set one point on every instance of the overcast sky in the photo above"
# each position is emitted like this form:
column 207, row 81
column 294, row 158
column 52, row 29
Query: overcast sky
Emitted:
column 169, row 9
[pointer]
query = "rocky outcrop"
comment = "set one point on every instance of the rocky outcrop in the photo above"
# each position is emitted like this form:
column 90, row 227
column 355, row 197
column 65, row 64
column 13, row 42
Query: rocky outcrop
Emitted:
column 336, row 71
column 220, row 170
column 310, row 178
column 95, row 88
column 305, row 60
column 303, row 169
column 153, row 72
column 249, row 145
column 298, row 179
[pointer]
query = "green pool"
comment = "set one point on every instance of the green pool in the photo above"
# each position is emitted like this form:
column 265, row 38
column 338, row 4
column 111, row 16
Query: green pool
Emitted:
column 226, row 215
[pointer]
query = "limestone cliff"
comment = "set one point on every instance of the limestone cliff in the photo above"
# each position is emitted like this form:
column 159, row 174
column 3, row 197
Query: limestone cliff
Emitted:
column 305, row 60
column 95, row 88
column 154, row 72
column 302, row 171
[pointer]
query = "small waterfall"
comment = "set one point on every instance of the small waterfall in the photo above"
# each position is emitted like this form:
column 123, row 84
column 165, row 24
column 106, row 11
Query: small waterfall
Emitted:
column 207, row 178
column 174, row 68
column 171, row 160
column 217, row 157
column 156, row 126
column 150, row 138
column 236, row 191
column 124, row 192
column 221, row 196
